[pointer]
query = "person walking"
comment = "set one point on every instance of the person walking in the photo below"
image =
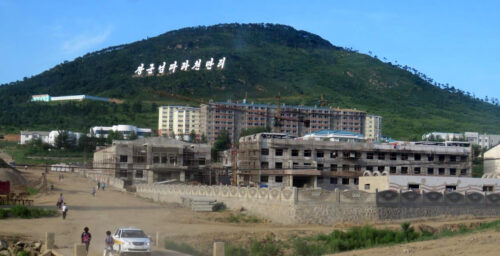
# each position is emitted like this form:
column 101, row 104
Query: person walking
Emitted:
column 103, row 186
column 60, row 201
column 98, row 185
column 64, row 209
column 93, row 191
column 86, row 237
column 108, row 244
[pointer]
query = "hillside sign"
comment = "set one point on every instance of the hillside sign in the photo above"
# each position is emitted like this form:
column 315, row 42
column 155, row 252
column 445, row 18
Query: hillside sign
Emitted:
column 172, row 68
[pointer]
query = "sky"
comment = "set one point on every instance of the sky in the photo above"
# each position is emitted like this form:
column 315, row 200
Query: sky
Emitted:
column 454, row 41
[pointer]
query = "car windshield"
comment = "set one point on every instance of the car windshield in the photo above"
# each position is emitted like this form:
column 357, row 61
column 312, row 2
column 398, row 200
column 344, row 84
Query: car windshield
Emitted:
column 133, row 233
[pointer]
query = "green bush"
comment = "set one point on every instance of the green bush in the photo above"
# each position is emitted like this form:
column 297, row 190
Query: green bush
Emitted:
column 24, row 212
column 266, row 247
column 22, row 253
column 236, row 251
column 3, row 213
column 32, row 191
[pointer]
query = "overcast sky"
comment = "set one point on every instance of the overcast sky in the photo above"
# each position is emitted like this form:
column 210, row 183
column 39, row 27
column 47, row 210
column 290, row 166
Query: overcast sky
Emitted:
column 455, row 42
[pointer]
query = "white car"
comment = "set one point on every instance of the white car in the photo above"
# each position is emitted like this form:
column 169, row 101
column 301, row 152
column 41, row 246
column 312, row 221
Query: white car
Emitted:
column 131, row 241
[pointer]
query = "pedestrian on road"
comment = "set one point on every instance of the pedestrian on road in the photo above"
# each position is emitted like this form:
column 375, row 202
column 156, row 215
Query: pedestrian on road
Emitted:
column 26, row 167
column 98, row 185
column 108, row 244
column 86, row 237
column 103, row 186
column 93, row 191
column 64, row 211
column 60, row 201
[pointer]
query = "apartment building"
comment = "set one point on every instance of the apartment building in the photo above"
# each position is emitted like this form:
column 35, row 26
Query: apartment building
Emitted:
column 178, row 120
column 475, row 138
column 295, row 120
column 373, row 127
column 124, row 129
column 154, row 159
column 276, row 159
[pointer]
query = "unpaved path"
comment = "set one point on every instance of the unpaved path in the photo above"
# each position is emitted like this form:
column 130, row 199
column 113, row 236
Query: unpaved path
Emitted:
column 111, row 209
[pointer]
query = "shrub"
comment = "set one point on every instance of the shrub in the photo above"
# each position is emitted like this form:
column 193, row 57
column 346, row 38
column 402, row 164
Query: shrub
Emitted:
column 3, row 213
column 24, row 212
column 266, row 247
column 236, row 251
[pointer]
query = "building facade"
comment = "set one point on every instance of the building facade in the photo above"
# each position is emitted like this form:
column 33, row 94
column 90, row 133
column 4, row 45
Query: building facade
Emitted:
column 48, row 98
column 295, row 120
column 278, row 160
column 124, row 129
column 27, row 136
column 492, row 163
column 373, row 127
column 178, row 120
column 329, row 135
column 475, row 138
column 427, row 184
column 154, row 159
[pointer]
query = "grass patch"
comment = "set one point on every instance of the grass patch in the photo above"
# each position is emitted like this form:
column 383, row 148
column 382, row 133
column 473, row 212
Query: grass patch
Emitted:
column 21, row 211
column 242, row 218
column 32, row 191
column 182, row 247
column 354, row 238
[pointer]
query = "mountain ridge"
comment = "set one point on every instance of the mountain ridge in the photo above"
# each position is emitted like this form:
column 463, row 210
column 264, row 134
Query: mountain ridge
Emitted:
column 262, row 60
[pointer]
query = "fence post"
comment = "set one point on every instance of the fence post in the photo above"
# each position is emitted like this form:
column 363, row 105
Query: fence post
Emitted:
column 218, row 249
column 49, row 240
column 79, row 250
column 157, row 239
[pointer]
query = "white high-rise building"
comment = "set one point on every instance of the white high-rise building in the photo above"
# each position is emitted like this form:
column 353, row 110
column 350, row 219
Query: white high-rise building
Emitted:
column 179, row 120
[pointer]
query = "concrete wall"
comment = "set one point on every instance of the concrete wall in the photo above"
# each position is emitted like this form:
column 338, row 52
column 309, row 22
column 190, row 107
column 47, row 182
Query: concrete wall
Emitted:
column 317, row 206
column 110, row 181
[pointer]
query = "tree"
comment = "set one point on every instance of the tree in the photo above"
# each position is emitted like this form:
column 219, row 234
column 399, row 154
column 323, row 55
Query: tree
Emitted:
column 192, row 136
column 133, row 136
column 65, row 140
column 223, row 142
column 203, row 138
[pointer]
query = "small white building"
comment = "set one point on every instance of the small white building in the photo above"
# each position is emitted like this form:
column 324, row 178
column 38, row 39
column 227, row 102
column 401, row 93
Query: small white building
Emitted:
column 427, row 183
column 72, row 135
column 124, row 129
column 492, row 163
column 31, row 135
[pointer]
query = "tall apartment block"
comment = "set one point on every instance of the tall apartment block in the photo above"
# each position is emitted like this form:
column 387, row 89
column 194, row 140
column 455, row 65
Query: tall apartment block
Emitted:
column 373, row 127
column 179, row 120
column 295, row 120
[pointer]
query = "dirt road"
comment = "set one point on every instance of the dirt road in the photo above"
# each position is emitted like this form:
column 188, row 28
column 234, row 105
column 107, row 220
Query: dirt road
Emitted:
column 111, row 209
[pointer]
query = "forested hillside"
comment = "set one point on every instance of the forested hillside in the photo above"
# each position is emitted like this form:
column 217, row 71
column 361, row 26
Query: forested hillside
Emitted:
column 261, row 60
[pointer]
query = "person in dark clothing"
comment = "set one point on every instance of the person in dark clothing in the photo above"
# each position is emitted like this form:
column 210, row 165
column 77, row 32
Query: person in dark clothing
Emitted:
column 86, row 237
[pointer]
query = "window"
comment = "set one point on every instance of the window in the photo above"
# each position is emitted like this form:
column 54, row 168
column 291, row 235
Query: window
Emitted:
column 307, row 164
column 367, row 186
column 487, row 188
column 404, row 170
column 201, row 161
column 381, row 168
column 333, row 154
column 156, row 159
column 278, row 179
column 320, row 154
column 264, row 151
column 123, row 159
column 295, row 164
column 163, row 159
column 138, row 174
column 278, row 165
column 307, row 153
column 453, row 171
column 404, row 156
column 369, row 168
column 139, row 159
column 430, row 157
column 345, row 181
column 453, row 158
column 345, row 154
column 381, row 156
column 441, row 158
column 345, row 168
column 417, row 157
column 430, row 171
column 173, row 160
column 356, row 181
column 416, row 170
column 463, row 172
column 357, row 168
column 123, row 174
column 413, row 186
column 333, row 168
column 463, row 158
column 264, row 165
column 441, row 171
column 295, row 152
column 279, row 152
column 369, row 155
column 333, row 181
column 451, row 187
column 264, row 178
column 319, row 167
column 392, row 170
column 394, row 156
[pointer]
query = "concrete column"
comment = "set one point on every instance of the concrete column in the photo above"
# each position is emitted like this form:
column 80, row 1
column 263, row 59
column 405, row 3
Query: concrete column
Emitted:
column 157, row 241
column 218, row 249
column 182, row 176
column 79, row 250
column 49, row 240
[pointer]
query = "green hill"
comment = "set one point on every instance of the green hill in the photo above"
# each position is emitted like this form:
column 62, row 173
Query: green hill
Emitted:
column 261, row 60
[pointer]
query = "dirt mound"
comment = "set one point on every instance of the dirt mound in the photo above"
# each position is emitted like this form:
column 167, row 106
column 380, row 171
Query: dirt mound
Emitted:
column 15, row 178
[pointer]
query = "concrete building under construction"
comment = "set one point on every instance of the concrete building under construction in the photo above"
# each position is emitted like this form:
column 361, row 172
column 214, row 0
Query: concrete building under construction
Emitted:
column 276, row 159
column 154, row 159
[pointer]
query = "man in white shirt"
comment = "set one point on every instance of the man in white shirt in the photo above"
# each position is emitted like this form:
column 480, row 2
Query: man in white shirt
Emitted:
column 64, row 211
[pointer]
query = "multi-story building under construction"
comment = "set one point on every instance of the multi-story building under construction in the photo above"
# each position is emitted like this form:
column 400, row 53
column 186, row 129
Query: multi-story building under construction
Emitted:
column 277, row 159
